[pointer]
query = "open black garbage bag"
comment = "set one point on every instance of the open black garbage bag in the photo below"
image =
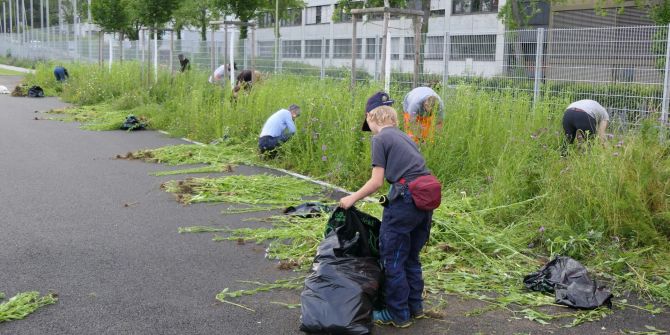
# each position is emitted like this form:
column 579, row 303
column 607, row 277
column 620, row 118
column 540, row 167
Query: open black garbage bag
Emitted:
column 309, row 209
column 35, row 92
column 354, row 221
column 133, row 123
column 339, row 293
column 569, row 281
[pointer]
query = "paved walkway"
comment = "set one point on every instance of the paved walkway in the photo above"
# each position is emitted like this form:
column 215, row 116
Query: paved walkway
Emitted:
column 16, row 69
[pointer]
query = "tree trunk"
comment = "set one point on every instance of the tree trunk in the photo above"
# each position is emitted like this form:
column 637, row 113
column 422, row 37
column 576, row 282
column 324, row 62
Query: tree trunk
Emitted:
column 203, row 25
column 121, row 46
column 518, row 51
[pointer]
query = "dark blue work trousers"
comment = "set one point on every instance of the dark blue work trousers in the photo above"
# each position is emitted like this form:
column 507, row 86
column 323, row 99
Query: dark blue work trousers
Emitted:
column 269, row 143
column 404, row 232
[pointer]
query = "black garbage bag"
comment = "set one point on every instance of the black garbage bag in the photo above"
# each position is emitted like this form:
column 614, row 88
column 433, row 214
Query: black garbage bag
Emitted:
column 35, row 92
column 133, row 123
column 339, row 293
column 569, row 281
column 309, row 209
column 354, row 221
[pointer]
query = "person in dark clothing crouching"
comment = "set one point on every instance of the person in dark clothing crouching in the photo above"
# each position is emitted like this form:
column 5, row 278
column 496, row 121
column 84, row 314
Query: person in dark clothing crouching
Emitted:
column 245, row 80
column 61, row 73
column 585, row 119
column 278, row 129
column 405, row 228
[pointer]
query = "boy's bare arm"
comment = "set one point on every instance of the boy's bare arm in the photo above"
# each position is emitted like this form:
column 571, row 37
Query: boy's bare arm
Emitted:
column 375, row 182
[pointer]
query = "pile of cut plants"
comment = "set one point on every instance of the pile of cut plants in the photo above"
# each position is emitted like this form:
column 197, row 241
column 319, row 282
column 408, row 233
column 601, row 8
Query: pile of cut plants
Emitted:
column 258, row 192
column 222, row 156
column 23, row 304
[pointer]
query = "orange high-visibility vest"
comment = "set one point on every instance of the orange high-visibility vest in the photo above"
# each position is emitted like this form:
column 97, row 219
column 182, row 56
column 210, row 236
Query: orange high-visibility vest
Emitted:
column 423, row 124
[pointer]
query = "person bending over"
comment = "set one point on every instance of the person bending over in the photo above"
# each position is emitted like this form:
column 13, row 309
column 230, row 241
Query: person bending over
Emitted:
column 405, row 228
column 61, row 73
column 586, row 118
column 278, row 129
column 245, row 79
column 420, row 106
column 184, row 63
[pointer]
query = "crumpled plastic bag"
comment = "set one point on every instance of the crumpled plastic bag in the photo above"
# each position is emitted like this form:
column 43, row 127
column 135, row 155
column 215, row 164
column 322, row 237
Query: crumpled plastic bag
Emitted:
column 569, row 281
column 309, row 209
column 340, row 292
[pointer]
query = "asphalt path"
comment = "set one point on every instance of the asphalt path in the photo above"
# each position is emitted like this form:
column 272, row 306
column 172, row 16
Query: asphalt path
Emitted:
column 100, row 233
column 116, row 269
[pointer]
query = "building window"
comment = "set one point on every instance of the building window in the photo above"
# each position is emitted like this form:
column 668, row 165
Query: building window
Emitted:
column 291, row 49
column 266, row 49
column 266, row 20
column 313, row 48
column 474, row 6
column 370, row 44
column 318, row 14
column 434, row 48
column 409, row 48
column 437, row 13
column 395, row 47
column 477, row 47
column 293, row 18
column 342, row 48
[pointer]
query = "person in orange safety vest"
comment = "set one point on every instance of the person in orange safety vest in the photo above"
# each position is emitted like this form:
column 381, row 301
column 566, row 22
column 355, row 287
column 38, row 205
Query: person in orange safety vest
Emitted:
column 423, row 110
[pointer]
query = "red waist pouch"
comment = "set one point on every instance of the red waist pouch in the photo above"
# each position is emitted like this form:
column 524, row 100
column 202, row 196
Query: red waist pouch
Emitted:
column 426, row 192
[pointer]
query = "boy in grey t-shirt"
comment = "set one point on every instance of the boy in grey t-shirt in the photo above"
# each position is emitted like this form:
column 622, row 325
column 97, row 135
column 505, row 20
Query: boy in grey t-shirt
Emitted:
column 405, row 229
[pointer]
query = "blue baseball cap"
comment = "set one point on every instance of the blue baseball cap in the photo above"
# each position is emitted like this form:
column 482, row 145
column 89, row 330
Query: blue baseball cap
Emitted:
column 380, row 98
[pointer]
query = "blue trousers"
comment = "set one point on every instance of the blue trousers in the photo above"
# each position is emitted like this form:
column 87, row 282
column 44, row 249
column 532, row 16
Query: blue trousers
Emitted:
column 60, row 73
column 404, row 232
column 269, row 143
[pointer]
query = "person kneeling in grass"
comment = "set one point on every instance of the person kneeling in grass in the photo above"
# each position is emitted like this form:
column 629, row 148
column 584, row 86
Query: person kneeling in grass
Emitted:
column 405, row 229
column 585, row 118
column 278, row 129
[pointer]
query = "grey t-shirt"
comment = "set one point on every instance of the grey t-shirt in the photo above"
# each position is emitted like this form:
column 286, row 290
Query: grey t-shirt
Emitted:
column 413, row 102
column 394, row 151
column 592, row 108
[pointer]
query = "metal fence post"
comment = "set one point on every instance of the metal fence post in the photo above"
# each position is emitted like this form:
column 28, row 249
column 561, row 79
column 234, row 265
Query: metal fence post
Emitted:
column 244, row 51
column 323, row 57
column 280, row 55
column 212, row 52
column 231, row 57
column 666, row 80
column 387, row 67
column 538, row 66
column 111, row 53
column 276, row 54
column 155, row 55
column 376, row 73
column 446, row 54
column 353, row 52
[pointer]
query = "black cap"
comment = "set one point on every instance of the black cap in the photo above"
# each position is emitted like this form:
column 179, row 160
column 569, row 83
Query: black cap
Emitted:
column 378, row 99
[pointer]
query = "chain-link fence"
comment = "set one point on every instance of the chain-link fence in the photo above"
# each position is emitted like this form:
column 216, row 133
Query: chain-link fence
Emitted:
column 624, row 68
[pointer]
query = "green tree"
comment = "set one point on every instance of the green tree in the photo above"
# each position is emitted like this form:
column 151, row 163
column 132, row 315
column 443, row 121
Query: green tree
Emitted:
column 111, row 15
column 154, row 13
column 246, row 10
column 196, row 13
